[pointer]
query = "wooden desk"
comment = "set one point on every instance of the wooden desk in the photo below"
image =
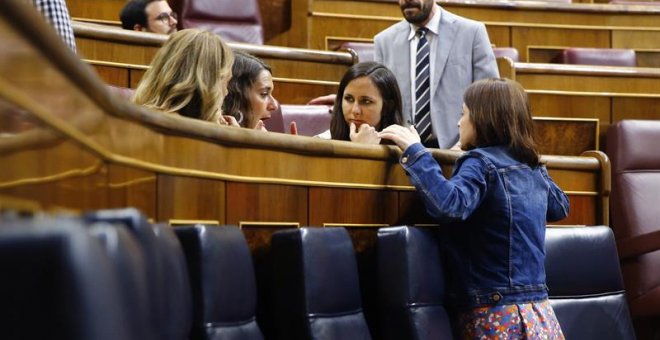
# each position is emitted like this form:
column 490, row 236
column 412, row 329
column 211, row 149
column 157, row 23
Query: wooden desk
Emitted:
column 608, row 94
column 510, row 23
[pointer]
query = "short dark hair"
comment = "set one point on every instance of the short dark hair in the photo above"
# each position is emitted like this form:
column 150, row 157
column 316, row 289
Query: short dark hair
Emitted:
column 134, row 13
column 388, row 88
column 245, row 71
column 501, row 114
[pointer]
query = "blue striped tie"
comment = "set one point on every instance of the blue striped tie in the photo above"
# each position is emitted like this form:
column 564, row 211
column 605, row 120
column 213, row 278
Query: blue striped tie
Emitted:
column 423, row 86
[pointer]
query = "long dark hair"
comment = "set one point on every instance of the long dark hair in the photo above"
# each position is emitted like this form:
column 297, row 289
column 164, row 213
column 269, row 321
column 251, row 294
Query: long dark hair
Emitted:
column 245, row 71
column 500, row 112
column 388, row 88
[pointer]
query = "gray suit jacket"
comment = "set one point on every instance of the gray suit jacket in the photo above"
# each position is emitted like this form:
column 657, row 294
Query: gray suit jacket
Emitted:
column 463, row 55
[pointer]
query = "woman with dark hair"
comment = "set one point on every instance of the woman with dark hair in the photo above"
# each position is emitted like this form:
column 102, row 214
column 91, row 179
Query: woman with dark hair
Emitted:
column 495, row 205
column 250, row 91
column 370, row 101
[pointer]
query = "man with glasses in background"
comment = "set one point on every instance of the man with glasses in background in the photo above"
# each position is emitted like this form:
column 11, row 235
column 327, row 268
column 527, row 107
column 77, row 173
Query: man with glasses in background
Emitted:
column 149, row 16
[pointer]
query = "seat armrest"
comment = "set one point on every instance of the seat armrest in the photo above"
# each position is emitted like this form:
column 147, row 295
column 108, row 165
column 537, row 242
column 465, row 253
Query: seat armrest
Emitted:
column 639, row 245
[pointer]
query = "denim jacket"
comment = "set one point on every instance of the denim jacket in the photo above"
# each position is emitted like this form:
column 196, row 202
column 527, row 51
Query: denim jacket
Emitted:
column 496, row 210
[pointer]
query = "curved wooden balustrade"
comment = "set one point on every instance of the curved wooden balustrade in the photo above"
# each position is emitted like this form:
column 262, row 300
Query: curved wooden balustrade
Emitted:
column 87, row 150
column 122, row 56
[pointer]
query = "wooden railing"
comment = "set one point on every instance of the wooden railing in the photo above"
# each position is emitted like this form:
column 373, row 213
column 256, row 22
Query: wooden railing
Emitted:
column 121, row 57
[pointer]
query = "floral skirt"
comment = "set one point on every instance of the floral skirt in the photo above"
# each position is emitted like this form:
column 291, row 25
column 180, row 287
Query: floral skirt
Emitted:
column 534, row 320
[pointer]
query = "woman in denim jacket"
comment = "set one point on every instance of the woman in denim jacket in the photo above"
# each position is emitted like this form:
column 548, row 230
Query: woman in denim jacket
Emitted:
column 496, row 204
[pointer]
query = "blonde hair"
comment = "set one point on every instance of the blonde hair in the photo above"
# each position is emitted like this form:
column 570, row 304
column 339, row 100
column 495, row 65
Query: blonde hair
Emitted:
column 188, row 76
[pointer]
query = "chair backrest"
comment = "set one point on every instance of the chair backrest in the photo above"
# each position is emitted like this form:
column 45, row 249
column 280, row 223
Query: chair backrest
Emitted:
column 632, row 146
column 176, row 316
column 170, row 309
column 223, row 282
column 311, row 120
column 599, row 56
column 126, row 254
column 58, row 283
column 585, row 285
column 411, row 285
column 509, row 52
column 316, row 287
column 365, row 51
column 237, row 21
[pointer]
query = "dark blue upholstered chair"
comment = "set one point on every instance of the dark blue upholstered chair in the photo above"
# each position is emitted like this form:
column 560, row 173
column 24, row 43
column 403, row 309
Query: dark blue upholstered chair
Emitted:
column 411, row 285
column 58, row 283
column 170, row 301
column 585, row 283
column 223, row 283
column 316, row 285
column 126, row 254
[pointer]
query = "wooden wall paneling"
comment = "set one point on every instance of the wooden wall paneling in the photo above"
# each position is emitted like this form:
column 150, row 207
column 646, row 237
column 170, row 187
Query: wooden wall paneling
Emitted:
column 116, row 52
column 521, row 37
column 565, row 136
column 412, row 210
column 130, row 187
column 190, row 198
column 306, row 70
column 583, row 211
column 637, row 37
column 352, row 206
column 290, row 91
column 104, row 10
column 500, row 36
column 572, row 105
column 134, row 77
column 116, row 76
column 268, row 203
column 275, row 17
column 648, row 57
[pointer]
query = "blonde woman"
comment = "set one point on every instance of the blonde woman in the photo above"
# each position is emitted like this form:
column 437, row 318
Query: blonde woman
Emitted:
column 189, row 77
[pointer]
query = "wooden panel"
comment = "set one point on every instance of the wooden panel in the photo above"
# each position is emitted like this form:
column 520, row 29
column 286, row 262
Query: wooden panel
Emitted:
column 412, row 209
column 266, row 203
column 330, row 205
column 560, row 136
column 128, row 187
column 113, row 75
column 97, row 9
column 499, row 36
column 521, row 37
column 582, row 211
column 300, row 92
column 638, row 39
column 189, row 198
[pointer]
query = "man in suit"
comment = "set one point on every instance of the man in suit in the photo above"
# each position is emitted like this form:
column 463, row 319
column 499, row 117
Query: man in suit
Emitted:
column 460, row 53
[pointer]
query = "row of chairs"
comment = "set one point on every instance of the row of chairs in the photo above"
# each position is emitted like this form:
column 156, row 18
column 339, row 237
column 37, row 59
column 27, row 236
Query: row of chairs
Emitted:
column 573, row 55
column 112, row 275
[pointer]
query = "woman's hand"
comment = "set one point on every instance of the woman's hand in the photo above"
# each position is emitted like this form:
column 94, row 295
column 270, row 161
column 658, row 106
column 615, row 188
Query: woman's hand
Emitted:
column 366, row 134
column 260, row 126
column 293, row 128
column 229, row 121
column 402, row 136
column 323, row 100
